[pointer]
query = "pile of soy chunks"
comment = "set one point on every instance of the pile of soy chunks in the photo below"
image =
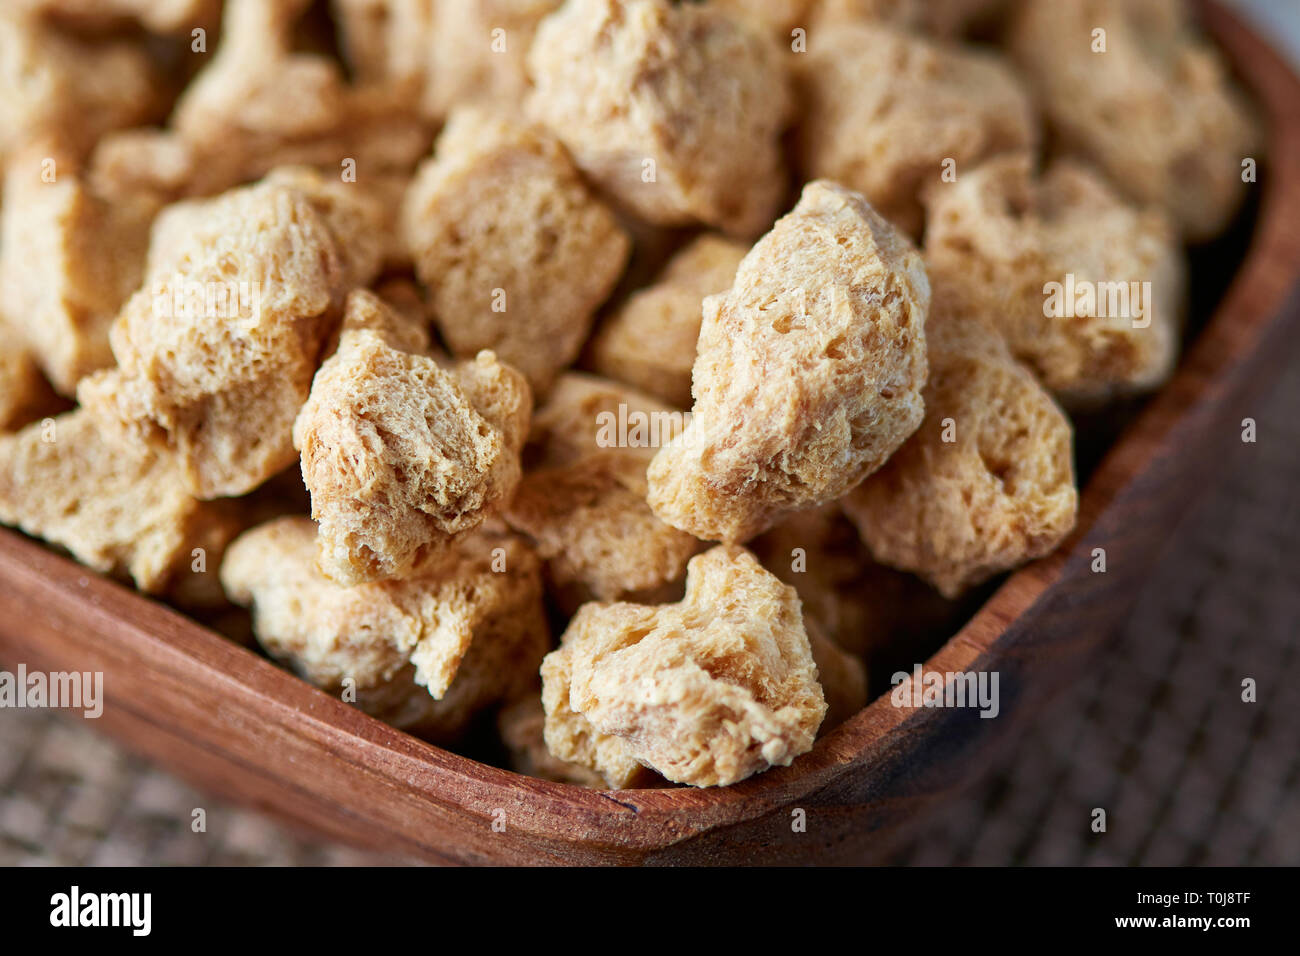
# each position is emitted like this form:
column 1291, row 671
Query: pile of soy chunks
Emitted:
column 325, row 310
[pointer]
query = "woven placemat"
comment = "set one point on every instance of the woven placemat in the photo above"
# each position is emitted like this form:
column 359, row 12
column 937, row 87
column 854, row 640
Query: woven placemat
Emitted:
column 1155, row 733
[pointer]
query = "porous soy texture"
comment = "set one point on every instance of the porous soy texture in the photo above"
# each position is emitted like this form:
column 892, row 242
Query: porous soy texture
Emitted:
column 448, row 51
column 583, row 501
column 987, row 482
column 428, row 652
column 68, row 260
column 649, row 341
column 808, row 372
column 64, row 92
column 888, row 113
column 707, row 692
column 520, row 725
column 1155, row 109
column 516, row 252
column 585, row 414
column 590, row 522
column 401, row 455
column 221, row 385
column 258, row 103
column 1002, row 235
column 121, row 510
column 675, row 110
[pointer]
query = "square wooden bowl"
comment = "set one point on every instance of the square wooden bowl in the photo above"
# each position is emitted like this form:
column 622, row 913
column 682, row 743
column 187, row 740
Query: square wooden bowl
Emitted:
column 232, row 722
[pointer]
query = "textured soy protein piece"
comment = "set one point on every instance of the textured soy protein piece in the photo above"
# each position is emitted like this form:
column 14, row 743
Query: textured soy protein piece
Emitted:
column 649, row 341
column 887, row 113
column 426, row 653
column 355, row 216
column 521, row 728
column 258, row 104
column 1087, row 290
column 583, row 503
column 707, row 692
column 449, row 51
column 675, row 110
column 63, row 92
column 808, row 372
column 585, row 414
column 68, row 260
column 404, row 323
column 1155, row 109
column 120, row 510
column 820, row 554
column 516, row 252
column 590, row 522
column 987, row 482
column 401, row 455
column 842, row 676
column 217, row 349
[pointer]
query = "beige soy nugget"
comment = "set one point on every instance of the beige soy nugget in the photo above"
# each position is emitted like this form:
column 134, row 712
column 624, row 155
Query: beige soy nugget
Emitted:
column 427, row 652
column 398, row 318
column 707, row 692
column 820, row 554
column 584, row 503
column 60, row 89
column 887, row 113
column 676, row 111
column 516, row 252
column 401, row 455
column 1086, row 290
column 649, row 341
column 69, row 258
column 259, row 104
column 281, row 107
column 1156, row 110
column 585, row 414
column 842, row 676
column 451, row 51
column 120, row 510
column 987, row 482
column 217, row 350
column 521, row 726
column 590, row 521
column 808, row 374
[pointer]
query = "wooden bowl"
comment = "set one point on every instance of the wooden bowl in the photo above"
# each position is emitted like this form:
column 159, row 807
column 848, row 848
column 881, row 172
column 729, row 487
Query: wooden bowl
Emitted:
column 230, row 721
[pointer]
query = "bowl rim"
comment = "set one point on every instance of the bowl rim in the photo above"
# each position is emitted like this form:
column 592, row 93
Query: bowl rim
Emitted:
column 1267, row 280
